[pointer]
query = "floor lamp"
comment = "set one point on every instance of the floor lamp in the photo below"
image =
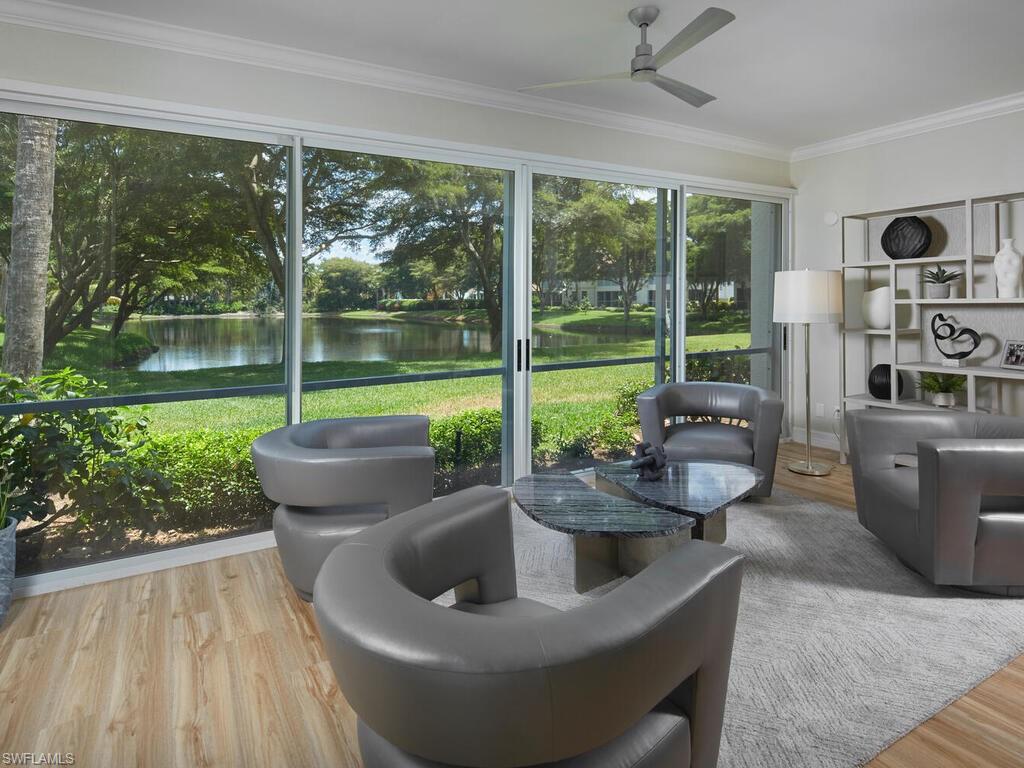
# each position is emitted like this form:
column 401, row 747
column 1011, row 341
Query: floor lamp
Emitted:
column 808, row 296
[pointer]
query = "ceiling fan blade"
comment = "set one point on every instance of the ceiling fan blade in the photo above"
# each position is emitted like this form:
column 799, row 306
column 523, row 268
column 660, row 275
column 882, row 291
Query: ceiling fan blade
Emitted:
column 705, row 25
column 693, row 96
column 561, row 84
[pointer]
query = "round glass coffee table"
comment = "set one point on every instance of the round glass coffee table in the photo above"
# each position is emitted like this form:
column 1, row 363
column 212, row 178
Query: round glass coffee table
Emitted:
column 612, row 535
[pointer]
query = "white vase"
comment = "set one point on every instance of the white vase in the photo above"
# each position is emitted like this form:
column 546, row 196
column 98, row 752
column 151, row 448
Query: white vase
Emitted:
column 1007, row 268
column 944, row 399
column 875, row 307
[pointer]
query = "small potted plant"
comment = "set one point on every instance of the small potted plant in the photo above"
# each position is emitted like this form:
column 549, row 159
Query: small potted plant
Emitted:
column 943, row 387
column 938, row 281
column 8, row 526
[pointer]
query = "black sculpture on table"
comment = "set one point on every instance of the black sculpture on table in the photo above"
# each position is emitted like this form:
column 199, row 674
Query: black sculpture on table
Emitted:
column 648, row 461
column 943, row 330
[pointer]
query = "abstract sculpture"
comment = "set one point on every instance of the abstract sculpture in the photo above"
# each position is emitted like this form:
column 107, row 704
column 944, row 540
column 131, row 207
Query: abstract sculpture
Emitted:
column 649, row 461
column 943, row 330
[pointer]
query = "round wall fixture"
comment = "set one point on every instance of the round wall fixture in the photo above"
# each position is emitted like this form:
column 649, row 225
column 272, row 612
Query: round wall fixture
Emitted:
column 831, row 218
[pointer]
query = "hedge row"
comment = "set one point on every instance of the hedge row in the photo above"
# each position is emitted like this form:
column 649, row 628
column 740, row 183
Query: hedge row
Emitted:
column 215, row 483
column 422, row 305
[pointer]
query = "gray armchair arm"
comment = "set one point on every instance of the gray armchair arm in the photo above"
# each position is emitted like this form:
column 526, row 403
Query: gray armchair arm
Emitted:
column 953, row 475
column 650, row 407
column 876, row 436
column 637, row 645
column 767, row 427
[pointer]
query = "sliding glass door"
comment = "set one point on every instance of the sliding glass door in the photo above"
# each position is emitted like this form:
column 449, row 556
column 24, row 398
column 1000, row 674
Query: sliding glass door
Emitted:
column 733, row 246
column 601, row 314
column 404, row 299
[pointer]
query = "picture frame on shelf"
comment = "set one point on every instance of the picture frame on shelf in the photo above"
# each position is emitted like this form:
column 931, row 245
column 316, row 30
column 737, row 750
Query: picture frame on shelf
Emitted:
column 1013, row 355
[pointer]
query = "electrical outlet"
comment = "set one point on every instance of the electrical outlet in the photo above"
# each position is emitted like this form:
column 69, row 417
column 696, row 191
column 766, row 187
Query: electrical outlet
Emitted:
column 819, row 410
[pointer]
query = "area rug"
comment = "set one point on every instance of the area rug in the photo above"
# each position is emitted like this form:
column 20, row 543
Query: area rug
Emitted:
column 840, row 649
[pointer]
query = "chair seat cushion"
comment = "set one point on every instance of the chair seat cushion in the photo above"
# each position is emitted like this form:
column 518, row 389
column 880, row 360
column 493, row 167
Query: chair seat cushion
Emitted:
column 516, row 608
column 695, row 440
column 661, row 739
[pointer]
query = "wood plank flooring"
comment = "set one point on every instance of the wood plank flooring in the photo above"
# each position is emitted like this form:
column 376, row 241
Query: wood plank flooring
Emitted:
column 219, row 664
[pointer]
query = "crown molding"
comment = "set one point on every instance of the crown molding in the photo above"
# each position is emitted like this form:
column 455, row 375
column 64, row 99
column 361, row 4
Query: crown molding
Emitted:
column 58, row 17
column 982, row 110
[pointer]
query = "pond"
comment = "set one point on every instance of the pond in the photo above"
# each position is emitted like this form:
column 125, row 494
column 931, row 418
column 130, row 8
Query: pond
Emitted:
column 191, row 343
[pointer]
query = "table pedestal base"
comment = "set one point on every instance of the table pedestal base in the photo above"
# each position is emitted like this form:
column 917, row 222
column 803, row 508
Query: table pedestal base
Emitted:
column 600, row 559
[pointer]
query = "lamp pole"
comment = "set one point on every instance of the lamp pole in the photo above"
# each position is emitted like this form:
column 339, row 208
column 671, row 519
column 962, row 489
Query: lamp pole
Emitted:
column 808, row 467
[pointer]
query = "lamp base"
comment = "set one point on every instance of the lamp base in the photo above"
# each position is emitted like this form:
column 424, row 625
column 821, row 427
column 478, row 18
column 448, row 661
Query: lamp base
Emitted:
column 813, row 469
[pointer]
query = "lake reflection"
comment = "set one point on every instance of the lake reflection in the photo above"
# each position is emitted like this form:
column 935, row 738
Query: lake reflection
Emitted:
column 190, row 343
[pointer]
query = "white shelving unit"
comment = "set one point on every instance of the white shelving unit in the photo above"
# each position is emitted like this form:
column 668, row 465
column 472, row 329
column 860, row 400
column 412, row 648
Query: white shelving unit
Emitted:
column 969, row 231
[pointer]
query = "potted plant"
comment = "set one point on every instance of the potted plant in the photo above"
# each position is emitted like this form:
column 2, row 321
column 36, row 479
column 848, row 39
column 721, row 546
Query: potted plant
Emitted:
column 8, row 525
column 943, row 387
column 938, row 281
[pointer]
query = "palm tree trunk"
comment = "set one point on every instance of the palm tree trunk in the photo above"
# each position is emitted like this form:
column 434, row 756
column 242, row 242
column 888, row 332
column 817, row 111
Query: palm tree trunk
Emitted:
column 31, row 225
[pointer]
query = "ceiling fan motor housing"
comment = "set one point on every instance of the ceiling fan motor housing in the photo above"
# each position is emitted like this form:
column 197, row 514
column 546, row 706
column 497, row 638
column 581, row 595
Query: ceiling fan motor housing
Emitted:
column 642, row 67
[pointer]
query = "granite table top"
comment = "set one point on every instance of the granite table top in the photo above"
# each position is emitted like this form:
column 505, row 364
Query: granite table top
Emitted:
column 700, row 489
column 565, row 503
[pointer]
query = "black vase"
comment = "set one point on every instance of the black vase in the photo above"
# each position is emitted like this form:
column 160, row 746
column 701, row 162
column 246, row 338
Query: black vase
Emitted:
column 906, row 237
column 880, row 381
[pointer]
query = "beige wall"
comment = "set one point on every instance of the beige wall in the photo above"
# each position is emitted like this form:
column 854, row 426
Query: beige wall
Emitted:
column 976, row 159
column 73, row 61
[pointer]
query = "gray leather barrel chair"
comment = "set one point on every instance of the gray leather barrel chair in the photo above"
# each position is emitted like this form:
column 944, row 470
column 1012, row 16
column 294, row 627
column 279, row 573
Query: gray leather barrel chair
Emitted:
column 635, row 678
column 703, row 435
column 956, row 518
column 334, row 477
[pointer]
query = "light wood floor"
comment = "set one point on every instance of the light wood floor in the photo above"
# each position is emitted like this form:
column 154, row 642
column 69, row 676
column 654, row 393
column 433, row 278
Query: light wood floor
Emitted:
column 218, row 664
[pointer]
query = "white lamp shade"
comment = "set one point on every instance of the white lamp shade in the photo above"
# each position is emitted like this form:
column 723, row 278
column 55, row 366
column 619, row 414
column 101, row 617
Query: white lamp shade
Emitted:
column 808, row 296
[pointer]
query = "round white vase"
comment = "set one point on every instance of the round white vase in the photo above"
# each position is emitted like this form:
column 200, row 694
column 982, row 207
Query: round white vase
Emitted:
column 875, row 307
column 1007, row 266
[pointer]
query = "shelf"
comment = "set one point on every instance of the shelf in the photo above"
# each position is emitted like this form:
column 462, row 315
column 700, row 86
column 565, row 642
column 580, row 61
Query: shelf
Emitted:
column 965, row 302
column 883, row 332
column 899, row 405
column 912, row 262
column 981, row 371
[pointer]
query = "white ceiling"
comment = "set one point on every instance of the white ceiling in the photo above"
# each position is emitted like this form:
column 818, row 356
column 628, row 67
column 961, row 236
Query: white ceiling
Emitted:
column 786, row 72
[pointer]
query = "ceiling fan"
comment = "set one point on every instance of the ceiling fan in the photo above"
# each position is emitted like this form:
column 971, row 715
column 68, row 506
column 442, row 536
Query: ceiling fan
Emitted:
column 645, row 64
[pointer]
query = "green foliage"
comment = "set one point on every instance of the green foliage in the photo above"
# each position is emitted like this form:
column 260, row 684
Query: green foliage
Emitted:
column 94, row 349
column 213, row 477
column 735, row 369
column 718, row 247
column 941, row 276
column 76, row 462
column 625, row 399
column 345, row 284
column 935, row 383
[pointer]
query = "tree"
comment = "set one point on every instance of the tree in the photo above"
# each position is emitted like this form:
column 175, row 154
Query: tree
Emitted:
column 444, row 215
column 31, row 225
column 635, row 262
column 346, row 283
column 718, row 246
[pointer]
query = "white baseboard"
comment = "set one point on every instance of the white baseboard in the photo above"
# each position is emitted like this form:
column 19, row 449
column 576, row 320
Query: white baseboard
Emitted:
column 818, row 439
column 41, row 583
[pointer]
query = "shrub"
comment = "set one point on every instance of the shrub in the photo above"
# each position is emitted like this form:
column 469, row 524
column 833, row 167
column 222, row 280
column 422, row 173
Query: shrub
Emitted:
column 610, row 436
column 213, row 477
column 471, row 438
column 625, row 399
column 86, row 458
column 131, row 349
column 735, row 369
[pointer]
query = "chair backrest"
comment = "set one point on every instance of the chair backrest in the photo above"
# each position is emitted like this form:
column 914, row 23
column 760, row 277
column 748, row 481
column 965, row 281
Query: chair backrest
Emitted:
column 712, row 398
column 487, row 691
column 360, row 432
column 343, row 461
